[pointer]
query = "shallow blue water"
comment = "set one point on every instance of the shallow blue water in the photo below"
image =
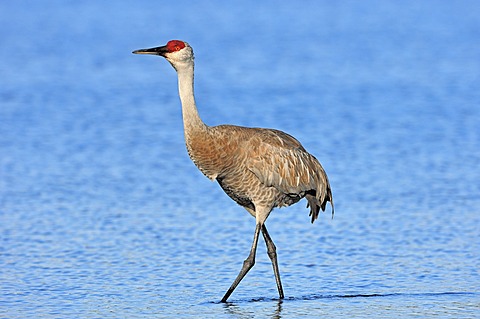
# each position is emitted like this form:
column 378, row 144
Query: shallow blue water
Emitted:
column 102, row 214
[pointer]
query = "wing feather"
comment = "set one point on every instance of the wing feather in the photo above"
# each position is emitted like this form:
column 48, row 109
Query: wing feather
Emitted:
column 279, row 160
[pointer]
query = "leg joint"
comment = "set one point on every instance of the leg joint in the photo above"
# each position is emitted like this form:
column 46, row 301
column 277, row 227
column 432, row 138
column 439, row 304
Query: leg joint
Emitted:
column 249, row 262
column 272, row 252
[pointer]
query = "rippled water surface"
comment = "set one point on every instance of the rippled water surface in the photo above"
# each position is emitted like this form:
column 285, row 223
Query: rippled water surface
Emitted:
column 103, row 215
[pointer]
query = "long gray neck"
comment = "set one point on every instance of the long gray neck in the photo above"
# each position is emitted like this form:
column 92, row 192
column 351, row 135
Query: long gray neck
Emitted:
column 191, row 118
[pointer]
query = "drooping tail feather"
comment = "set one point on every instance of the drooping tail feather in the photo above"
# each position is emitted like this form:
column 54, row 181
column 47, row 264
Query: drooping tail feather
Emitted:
column 315, row 205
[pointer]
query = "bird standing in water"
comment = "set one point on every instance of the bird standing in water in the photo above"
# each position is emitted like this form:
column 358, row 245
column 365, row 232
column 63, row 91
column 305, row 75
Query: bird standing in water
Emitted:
column 258, row 168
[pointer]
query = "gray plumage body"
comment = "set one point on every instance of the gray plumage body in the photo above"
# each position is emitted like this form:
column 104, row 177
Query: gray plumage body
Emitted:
column 259, row 167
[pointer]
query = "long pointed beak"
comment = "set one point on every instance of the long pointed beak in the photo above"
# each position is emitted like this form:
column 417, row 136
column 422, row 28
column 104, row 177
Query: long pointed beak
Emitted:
column 154, row 51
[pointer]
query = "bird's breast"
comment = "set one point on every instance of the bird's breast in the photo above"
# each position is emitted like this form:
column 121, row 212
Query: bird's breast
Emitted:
column 213, row 154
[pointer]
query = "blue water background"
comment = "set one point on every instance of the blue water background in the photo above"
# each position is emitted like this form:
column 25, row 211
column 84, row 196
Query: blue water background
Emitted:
column 103, row 215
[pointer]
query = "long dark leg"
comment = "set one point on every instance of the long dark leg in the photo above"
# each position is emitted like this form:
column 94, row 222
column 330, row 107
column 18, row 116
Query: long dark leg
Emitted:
column 272, row 253
column 247, row 264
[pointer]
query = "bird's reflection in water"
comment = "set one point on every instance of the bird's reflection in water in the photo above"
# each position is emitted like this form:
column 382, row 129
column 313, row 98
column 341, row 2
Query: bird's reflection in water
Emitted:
column 243, row 312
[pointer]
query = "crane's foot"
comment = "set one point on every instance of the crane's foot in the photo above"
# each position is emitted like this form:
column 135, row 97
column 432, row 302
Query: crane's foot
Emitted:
column 272, row 253
column 247, row 265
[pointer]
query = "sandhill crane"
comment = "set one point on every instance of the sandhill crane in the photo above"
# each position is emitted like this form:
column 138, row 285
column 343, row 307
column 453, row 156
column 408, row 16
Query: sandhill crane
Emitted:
column 258, row 168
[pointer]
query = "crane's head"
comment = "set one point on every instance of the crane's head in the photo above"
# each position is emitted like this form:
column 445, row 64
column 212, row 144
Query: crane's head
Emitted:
column 175, row 51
